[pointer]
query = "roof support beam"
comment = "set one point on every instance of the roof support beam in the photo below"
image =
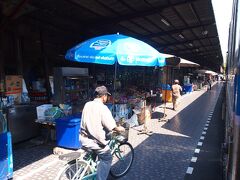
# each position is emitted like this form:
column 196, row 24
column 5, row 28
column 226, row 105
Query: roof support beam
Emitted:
column 203, row 56
column 188, row 41
column 17, row 9
column 177, row 30
column 193, row 50
column 133, row 15
column 217, row 53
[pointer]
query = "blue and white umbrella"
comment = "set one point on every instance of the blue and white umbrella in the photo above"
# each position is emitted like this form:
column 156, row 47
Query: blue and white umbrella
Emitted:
column 109, row 49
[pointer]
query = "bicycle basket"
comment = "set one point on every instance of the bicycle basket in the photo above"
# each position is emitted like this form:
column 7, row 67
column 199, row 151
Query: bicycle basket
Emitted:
column 123, row 136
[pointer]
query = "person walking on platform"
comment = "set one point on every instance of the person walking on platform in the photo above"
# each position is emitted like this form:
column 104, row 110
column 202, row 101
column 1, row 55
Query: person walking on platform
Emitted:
column 209, row 83
column 176, row 89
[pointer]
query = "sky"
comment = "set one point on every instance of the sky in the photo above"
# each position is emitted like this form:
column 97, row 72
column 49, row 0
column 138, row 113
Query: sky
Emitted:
column 223, row 12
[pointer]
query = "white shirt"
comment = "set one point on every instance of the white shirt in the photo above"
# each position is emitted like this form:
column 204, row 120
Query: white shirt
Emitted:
column 176, row 90
column 95, row 117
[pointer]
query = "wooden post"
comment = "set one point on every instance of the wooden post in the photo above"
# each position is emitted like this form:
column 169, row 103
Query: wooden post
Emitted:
column 165, row 97
column 2, row 65
column 19, row 56
column 165, row 100
column 46, row 71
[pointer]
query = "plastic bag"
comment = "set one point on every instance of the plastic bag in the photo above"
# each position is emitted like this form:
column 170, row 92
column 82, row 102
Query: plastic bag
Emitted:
column 53, row 113
column 133, row 121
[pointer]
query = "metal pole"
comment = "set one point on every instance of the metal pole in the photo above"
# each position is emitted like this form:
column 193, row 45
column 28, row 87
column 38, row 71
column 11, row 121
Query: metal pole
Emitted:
column 115, row 77
column 114, row 87
column 165, row 97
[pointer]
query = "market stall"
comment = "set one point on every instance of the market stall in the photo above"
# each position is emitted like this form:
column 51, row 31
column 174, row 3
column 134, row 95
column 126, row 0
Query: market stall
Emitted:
column 118, row 50
column 27, row 104
column 20, row 111
column 204, row 75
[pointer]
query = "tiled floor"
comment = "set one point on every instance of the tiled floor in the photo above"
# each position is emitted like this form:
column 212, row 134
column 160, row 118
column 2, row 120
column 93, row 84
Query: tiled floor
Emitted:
column 164, row 155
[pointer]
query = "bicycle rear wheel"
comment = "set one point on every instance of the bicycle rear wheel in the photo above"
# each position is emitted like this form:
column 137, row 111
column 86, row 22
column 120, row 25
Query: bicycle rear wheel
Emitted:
column 122, row 160
column 75, row 170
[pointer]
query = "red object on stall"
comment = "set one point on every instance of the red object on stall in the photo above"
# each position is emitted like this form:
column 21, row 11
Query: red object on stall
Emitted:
column 38, row 96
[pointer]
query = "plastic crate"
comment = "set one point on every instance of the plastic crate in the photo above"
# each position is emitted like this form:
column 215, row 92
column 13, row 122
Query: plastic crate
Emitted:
column 41, row 110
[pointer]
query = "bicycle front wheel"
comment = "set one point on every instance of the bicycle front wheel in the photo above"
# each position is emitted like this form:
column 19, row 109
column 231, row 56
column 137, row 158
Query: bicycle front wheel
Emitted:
column 75, row 170
column 122, row 160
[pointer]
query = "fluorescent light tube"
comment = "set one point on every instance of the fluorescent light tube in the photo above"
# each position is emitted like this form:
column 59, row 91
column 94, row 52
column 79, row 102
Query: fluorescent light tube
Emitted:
column 165, row 22
column 181, row 36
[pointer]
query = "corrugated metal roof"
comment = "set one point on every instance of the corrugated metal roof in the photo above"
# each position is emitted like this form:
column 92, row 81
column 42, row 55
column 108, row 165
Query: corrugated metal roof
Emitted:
column 179, row 27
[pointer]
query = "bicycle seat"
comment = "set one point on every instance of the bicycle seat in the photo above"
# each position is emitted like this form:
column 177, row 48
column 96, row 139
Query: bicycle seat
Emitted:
column 70, row 156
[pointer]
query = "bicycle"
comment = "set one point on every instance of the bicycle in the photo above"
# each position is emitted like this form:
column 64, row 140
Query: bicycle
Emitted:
column 82, row 165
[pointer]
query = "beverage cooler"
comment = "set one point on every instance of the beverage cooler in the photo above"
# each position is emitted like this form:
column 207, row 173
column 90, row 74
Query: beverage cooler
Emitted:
column 71, row 86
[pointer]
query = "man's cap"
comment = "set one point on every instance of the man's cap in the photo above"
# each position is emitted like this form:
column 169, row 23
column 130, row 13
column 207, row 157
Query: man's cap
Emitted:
column 176, row 81
column 102, row 90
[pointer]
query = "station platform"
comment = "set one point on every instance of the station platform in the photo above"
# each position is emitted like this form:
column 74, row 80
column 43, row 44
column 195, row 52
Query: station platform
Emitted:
column 187, row 146
column 184, row 145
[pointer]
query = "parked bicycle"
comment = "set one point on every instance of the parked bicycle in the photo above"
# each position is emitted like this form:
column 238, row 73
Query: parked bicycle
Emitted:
column 82, row 165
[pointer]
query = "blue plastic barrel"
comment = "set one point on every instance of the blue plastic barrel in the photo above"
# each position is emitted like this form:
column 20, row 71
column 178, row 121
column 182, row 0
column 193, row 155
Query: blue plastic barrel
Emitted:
column 187, row 88
column 67, row 132
column 166, row 87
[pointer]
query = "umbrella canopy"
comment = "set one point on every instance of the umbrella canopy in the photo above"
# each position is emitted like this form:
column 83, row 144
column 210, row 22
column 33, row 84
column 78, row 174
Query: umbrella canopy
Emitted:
column 186, row 63
column 204, row 71
column 183, row 62
column 112, row 48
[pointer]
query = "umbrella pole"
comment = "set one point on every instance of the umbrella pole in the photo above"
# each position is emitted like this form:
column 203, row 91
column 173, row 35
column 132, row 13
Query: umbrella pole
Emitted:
column 114, row 88
column 165, row 97
column 115, row 78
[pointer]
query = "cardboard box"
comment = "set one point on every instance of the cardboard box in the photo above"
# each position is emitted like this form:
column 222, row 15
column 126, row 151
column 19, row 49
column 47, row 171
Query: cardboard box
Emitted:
column 2, row 86
column 13, row 84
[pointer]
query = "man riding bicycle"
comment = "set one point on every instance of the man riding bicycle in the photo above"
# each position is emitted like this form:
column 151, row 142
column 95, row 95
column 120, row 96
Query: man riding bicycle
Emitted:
column 96, row 117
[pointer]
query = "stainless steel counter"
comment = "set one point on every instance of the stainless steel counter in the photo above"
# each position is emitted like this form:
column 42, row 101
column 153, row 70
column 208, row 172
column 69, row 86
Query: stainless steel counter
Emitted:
column 21, row 122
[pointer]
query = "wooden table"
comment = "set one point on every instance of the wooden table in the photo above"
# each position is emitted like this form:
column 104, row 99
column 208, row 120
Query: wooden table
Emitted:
column 49, row 125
